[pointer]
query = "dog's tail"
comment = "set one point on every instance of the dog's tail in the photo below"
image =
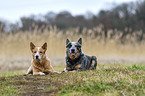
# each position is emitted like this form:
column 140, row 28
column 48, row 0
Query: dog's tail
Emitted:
column 93, row 62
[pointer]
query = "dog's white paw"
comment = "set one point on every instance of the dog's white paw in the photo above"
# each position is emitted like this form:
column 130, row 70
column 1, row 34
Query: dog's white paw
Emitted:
column 59, row 72
column 41, row 73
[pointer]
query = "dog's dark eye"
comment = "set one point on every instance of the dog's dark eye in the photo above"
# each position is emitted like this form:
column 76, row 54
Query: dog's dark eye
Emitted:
column 34, row 51
column 69, row 45
column 40, row 52
column 77, row 46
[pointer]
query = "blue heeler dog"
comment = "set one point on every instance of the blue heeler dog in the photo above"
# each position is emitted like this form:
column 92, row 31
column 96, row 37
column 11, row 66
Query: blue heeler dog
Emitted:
column 76, row 60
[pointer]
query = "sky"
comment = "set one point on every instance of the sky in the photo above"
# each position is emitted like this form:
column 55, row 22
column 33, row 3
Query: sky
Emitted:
column 13, row 10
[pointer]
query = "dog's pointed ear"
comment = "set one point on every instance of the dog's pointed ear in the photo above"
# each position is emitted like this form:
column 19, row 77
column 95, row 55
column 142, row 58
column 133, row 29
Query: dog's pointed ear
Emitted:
column 32, row 46
column 44, row 46
column 80, row 41
column 67, row 41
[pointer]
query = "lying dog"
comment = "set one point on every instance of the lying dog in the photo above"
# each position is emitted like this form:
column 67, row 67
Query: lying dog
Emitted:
column 76, row 60
column 40, row 63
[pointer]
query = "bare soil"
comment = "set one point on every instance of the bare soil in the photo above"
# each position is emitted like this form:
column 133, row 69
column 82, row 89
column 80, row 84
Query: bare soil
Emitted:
column 36, row 85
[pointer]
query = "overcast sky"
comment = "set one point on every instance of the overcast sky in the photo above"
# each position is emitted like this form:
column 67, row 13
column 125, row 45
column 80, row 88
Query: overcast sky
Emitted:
column 12, row 10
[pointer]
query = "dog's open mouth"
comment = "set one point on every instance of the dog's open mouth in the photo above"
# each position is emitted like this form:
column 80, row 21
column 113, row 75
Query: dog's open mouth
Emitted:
column 73, row 54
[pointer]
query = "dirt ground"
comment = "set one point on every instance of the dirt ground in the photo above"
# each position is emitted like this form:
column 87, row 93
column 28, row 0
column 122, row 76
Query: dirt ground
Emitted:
column 36, row 85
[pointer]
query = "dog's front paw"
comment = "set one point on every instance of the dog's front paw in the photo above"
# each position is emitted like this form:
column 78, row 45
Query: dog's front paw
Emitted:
column 73, row 71
column 27, row 74
column 41, row 73
column 59, row 72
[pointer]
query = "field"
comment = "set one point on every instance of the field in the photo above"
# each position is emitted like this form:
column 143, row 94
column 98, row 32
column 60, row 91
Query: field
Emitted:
column 120, row 71
column 107, row 80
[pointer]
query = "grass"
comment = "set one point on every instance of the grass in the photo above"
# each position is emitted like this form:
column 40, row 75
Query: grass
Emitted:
column 107, row 80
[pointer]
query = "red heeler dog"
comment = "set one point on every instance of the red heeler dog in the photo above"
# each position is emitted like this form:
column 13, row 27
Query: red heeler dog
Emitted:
column 40, row 63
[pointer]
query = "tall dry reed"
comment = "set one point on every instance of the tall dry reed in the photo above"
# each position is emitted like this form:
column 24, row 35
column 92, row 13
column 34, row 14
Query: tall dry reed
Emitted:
column 15, row 50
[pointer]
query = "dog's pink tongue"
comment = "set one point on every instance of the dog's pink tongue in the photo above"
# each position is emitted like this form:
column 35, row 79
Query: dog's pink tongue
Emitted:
column 72, row 53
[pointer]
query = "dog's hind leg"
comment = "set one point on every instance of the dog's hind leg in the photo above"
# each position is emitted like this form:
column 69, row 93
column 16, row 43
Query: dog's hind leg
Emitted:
column 93, row 63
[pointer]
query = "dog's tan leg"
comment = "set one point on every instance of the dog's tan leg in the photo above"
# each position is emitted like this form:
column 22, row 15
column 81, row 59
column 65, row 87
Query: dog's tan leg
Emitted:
column 30, row 69
column 49, row 68
column 72, row 71
column 37, row 72
column 57, row 72
column 48, row 71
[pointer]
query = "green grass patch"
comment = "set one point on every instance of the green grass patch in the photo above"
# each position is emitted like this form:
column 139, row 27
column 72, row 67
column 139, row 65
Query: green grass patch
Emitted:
column 108, row 80
column 136, row 66
column 6, row 86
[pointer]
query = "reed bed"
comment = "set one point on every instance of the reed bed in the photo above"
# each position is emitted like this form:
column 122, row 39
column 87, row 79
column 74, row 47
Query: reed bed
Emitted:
column 15, row 51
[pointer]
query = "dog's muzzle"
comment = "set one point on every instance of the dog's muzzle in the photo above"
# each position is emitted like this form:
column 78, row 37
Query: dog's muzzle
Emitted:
column 73, row 52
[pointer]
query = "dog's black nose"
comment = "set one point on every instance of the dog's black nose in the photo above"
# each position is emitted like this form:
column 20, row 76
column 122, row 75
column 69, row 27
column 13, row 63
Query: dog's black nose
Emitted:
column 37, row 56
column 73, row 50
